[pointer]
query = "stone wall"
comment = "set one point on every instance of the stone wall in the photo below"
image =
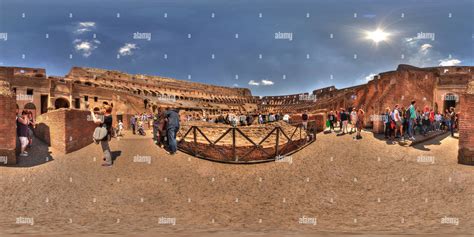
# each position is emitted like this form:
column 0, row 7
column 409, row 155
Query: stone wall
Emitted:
column 466, row 130
column 7, row 125
column 65, row 130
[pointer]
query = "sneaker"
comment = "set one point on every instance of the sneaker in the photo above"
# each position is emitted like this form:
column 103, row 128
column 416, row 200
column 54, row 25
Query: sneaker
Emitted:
column 24, row 154
column 107, row 165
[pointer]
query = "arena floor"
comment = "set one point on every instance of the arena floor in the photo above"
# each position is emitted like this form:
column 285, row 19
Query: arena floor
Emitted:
column 341, row 186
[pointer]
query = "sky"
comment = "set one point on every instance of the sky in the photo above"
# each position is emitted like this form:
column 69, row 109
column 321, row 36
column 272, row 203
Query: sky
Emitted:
column 273, row 47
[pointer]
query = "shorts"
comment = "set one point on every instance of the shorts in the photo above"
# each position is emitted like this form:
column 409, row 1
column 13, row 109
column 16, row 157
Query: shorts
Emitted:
column 399, row 123
column 24, row 141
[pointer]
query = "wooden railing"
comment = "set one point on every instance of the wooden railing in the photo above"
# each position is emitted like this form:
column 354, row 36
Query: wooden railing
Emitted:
column 238, row 152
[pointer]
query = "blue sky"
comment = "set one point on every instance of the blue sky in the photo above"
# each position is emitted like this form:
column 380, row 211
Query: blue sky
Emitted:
column 326, row 41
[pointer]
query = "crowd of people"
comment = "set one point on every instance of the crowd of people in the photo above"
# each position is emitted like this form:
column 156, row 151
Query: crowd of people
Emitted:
column 399, row 122
column 404, row 123
column 242, row 119
column 347, row 121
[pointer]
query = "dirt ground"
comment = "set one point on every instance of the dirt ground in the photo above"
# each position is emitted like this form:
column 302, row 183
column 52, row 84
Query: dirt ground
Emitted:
column 334, row 186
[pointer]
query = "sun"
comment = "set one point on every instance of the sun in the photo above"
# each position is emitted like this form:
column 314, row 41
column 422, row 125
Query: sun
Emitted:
column 377, row 36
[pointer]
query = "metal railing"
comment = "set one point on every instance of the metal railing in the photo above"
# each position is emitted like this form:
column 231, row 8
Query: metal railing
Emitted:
column 238, row 152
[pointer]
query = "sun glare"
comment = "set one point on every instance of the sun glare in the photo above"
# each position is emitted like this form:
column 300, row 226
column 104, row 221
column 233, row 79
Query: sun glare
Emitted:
column 377, row 35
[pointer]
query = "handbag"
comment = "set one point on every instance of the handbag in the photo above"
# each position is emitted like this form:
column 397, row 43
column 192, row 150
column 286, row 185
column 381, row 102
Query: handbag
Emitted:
column 99, row 133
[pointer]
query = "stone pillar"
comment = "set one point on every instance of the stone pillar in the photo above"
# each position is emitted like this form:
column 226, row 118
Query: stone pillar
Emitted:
column 466, row 130
column 7, row 125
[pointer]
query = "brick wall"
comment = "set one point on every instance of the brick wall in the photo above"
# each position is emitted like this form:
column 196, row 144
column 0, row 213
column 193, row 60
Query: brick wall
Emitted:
column 466, row 130
column 7, row 129
column 66, row 130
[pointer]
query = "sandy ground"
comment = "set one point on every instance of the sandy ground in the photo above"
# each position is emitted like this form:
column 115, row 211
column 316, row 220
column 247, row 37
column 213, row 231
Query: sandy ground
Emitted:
column 341, row 186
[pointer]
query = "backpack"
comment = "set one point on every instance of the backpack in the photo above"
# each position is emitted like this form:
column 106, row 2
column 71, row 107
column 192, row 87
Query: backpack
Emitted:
column 99, row 134
column 408, row 113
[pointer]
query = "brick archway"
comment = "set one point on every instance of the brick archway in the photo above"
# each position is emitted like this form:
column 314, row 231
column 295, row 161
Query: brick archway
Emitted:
column 61, row 103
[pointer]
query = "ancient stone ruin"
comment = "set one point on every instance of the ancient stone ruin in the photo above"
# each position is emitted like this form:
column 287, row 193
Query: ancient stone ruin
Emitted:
column 85, row 88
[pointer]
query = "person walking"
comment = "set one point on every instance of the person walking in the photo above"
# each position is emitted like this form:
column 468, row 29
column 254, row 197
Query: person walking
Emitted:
column 411, row 120
column 398, row 122
column 344, row 121
column 353, row 120
column 172, row 127
column 386, row 122
column 104, row 143
column 22, row 132
column 452, row 116
column 304, row 118
column 360, row 123
column 133, row 123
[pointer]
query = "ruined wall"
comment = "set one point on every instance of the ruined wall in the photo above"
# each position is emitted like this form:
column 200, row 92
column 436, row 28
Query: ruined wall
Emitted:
column 7, row 125
column 466, row 129
column 65, row 130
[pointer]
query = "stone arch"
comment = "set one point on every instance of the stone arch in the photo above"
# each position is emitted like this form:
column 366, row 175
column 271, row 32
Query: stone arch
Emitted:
column 30, row 106
column 61, row 103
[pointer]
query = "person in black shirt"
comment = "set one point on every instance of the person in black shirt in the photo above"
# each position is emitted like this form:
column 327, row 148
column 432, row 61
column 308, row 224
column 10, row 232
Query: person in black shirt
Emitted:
column 107, row 121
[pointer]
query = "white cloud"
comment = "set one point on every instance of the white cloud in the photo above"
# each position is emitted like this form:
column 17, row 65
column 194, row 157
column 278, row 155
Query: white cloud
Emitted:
column 254, row 83
column 449, row 62
column 263, row 82
column 370, row 77
column 85, row 47
column 127, row 49
column 424, row 48
column 83, row 27
column 235, row 85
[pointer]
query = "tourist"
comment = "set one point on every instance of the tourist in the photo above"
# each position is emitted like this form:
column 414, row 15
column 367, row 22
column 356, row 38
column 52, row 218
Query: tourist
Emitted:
column 386, row 122
column 432, row 120
column 345, row 121
column 22, row 123
column 260, row 119
column 107, row 122
column 156, row 125
column 332, row 120
column 304, row 118
column 353, row 120
column 120, row 128
column 425, row 120
column 398, row 122
column 438, row 119
column 411, row 114
column 360, row 123
column 172, row 127
column 133, row 123
column 452, row 116
column 286, row 118
column 31, row 127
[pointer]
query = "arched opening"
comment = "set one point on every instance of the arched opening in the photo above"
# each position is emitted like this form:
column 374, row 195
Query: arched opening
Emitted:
column 61, row 103
column 145, row 102
column 96, row 109
column 450, row 100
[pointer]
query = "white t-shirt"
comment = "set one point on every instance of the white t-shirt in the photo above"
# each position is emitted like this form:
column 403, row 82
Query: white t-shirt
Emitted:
column 286, row 117
column 396, row 115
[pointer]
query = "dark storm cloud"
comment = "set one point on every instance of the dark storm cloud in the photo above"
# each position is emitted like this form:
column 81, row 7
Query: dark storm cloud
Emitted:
column 344, row 60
